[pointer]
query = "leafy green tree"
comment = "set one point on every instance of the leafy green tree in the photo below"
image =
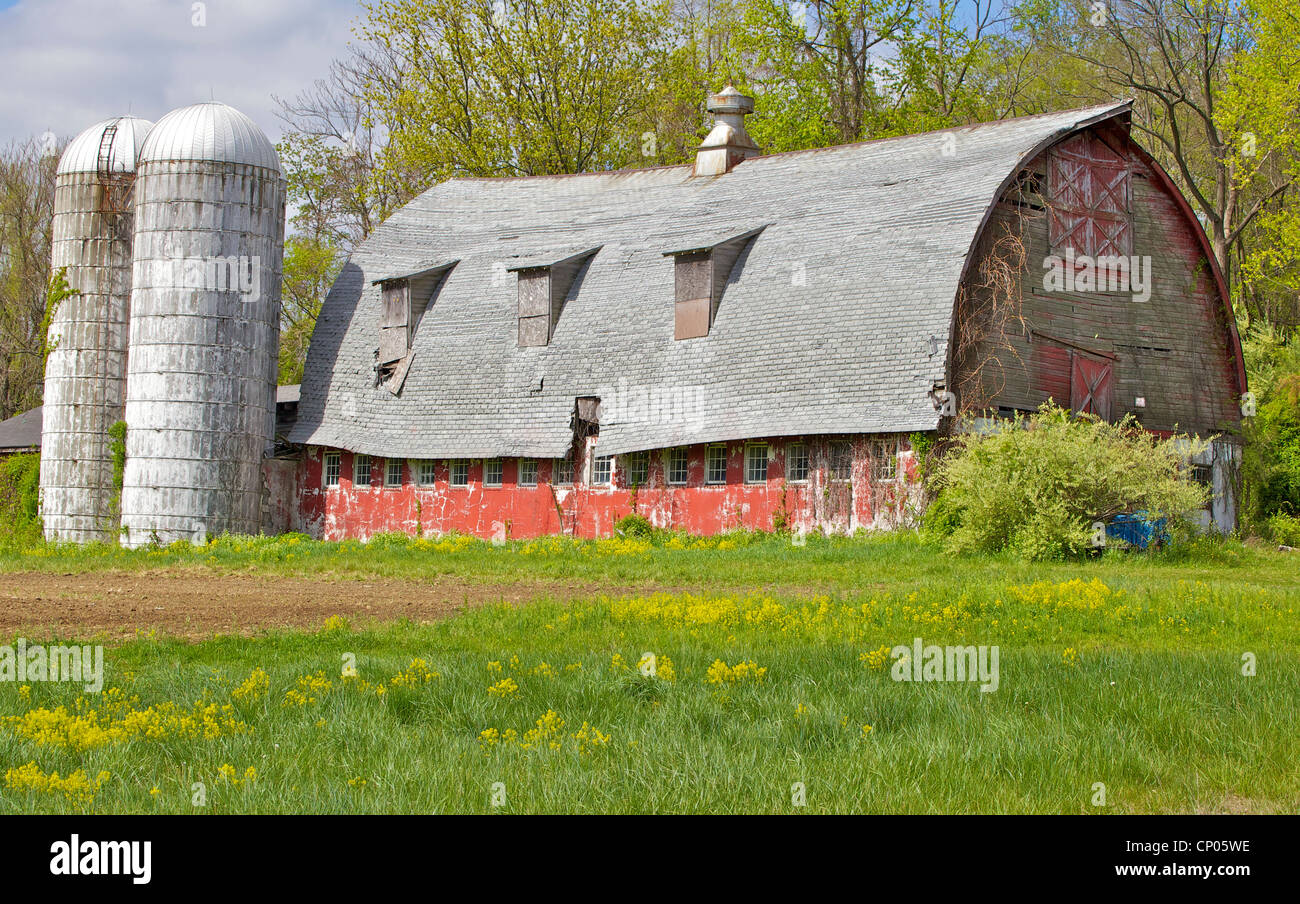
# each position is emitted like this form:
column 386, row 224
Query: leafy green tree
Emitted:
column 522, row 88
column 310, row 266
column 1259, row 115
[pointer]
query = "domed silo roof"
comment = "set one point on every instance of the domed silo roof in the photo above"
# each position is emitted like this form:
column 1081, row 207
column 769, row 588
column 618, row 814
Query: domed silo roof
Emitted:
column 121, row 150
column 212, row 132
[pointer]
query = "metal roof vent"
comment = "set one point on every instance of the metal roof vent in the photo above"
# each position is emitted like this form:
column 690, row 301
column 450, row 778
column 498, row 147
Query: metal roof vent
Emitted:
column 728, row 143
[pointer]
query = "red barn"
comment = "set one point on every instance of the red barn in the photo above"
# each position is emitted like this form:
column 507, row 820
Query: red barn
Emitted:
column 754, row 340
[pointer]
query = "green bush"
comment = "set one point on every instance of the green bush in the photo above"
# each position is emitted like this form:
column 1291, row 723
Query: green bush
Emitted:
column 1285, row 529
column 634, row 526
column 20, row 487
column 1271, row 462
column 1036, row 486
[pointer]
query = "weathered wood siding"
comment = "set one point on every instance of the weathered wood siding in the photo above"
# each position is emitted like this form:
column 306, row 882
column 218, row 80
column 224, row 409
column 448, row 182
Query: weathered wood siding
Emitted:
column 1175, row 351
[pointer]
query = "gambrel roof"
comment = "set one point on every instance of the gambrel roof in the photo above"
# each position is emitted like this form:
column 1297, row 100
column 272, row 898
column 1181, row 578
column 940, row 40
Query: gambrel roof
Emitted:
column 835, row 317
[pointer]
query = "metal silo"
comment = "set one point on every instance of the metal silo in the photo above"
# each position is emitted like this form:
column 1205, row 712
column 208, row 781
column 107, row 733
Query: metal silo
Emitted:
column 205, row 307
column 85, row 376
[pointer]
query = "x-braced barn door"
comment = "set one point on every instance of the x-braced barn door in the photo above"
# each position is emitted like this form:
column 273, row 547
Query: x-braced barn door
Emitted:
column 1090, row 385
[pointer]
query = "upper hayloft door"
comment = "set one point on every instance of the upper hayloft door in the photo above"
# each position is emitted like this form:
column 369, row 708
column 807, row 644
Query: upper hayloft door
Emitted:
column 394, row 328
column 1090, row 385
column 1090, row 199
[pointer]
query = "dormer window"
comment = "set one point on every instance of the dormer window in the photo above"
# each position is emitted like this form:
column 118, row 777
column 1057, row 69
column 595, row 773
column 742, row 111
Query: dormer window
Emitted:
column 543, row 289
column 700, row 274
column 403, row 300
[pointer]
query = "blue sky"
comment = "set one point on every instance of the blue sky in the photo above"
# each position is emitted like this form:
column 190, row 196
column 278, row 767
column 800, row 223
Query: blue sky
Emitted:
column 70, row 63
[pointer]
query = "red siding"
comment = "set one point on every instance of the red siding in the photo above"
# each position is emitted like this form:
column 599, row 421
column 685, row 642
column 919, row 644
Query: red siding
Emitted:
column 344, row 511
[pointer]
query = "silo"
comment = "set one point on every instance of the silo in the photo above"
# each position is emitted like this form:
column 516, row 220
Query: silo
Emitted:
column 85, row 376
column 205, row 307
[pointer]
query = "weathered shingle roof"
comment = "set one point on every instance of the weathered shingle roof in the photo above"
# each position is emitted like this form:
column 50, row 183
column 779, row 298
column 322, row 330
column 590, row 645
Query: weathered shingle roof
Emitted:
column 835, row 319
column 22, row 431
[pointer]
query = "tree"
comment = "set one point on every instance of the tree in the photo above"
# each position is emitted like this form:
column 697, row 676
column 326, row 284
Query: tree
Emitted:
column 816, row 69
column 1259, row 115
column 27, row 295
column 310, row 266
column 473, row 88
column 1172, row 57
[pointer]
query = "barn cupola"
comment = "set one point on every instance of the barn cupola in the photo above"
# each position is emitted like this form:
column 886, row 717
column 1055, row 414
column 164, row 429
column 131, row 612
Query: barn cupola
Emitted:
column 728, row 143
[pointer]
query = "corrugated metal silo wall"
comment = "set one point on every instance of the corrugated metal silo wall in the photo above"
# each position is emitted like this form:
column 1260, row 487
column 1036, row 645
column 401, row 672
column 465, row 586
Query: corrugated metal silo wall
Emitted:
column 203, row 362
column 85, row 377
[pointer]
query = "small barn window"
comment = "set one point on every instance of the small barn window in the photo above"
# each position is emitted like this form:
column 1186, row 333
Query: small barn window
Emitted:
column 393, row 472
column 841, row 461
column 756, row 463
column 331, row 469
column 601, row 469
column 528, row 472
column 796, row 462
column 562, row 471
column 678, row 466
column 638, row 468
column 361, row 470
column 458, row 472
column 884, row 460
column 426, row 472
column 715, row 464
column 492, row 472
column 1089, row 207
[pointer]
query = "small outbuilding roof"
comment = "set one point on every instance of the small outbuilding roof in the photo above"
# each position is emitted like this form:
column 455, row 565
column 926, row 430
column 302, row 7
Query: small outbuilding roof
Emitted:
column 22, row 432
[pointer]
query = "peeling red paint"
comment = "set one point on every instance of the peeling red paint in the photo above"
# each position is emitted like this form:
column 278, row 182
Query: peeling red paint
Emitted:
column 588, row 511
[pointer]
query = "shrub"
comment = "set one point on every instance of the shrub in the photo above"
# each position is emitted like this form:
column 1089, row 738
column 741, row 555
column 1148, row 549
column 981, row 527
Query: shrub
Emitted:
column 20, row 487
column 1285, row 529
column 1035, row 486
column 634, row 526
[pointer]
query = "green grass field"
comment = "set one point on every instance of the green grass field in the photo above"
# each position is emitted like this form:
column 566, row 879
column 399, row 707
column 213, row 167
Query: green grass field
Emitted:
column 1124, row 670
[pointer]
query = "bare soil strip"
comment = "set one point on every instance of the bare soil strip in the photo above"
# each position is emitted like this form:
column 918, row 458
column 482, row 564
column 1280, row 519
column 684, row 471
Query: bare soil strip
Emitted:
column 194, row 605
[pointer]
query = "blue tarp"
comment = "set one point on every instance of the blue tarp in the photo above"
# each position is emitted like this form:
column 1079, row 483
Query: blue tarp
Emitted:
column 1138, row 529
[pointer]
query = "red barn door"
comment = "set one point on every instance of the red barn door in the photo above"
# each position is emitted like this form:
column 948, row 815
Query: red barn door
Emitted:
column 1090, row 385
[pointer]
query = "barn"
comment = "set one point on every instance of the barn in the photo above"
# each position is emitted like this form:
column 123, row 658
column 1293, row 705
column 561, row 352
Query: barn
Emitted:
column 754, row 340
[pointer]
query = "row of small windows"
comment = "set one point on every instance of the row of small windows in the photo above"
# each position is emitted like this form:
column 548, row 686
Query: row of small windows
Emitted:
column 635, row 467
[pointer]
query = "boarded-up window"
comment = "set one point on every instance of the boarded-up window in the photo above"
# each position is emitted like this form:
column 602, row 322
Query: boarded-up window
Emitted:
column 1090, row 199
column 534, row 307
column 1090, row 385
column 692, row 311
column 395, row 322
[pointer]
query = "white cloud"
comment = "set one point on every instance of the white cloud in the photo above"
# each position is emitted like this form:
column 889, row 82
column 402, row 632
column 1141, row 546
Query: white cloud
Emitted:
column 70, row 63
